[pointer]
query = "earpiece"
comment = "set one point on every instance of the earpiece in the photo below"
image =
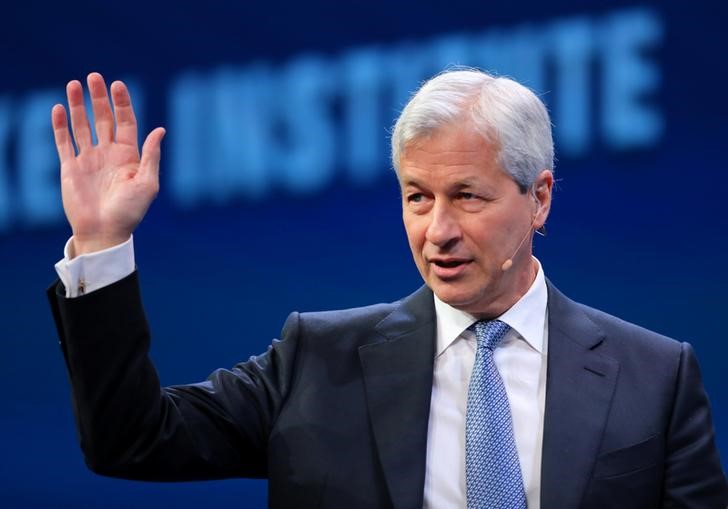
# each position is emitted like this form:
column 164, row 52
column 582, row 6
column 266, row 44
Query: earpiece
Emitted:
column 541, row 230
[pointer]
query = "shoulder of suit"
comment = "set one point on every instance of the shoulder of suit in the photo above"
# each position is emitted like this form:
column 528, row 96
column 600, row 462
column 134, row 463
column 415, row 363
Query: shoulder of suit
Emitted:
column 371, row 314
column 617, row 332
column 416, row 306
column 628, row 333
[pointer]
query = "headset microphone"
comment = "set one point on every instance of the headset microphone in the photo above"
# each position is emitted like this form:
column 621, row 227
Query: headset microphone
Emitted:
column 509, row 262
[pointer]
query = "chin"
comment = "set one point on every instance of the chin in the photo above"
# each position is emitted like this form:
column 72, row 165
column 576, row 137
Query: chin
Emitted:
column 455, row 297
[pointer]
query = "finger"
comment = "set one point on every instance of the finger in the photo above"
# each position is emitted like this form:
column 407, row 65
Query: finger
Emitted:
column 103, row 118
column 79, row 120
column 151, row 152
column 61, row 134
column 126, row 125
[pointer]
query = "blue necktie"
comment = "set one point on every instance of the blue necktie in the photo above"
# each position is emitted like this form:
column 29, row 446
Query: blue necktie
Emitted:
column 492, row 469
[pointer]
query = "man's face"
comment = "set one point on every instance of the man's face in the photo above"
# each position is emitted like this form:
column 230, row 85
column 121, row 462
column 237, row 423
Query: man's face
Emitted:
column 465, row 216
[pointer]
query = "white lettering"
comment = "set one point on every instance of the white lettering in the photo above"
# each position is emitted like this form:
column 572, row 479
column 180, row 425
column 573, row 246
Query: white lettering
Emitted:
column 630, row 79
column 38, row 172
column 245, row 132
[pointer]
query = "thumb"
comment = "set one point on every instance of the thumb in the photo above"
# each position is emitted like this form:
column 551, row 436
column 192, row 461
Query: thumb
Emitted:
column 151, row 152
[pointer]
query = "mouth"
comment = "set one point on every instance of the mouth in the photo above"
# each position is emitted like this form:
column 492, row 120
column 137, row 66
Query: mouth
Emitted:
column 448, row 268
column 448, row 263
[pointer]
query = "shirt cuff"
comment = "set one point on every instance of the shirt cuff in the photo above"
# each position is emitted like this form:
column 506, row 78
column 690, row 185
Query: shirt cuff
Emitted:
column 92, row 271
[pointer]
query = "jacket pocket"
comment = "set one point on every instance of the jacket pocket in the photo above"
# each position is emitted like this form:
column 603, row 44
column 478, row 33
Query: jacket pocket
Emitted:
column 633, row 458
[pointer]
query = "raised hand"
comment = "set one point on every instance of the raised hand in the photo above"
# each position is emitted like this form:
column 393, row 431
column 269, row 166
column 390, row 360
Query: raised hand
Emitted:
column 106, row 188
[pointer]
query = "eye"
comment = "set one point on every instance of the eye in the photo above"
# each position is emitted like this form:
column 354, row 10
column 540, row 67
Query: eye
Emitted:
column 470, row 202
column 418, row 202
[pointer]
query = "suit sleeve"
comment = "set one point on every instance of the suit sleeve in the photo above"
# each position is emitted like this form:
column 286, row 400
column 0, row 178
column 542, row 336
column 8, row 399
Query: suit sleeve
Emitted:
column 131, row 427
column 693, row 474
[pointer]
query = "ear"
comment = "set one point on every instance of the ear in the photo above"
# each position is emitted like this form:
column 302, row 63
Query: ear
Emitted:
column 542, row 189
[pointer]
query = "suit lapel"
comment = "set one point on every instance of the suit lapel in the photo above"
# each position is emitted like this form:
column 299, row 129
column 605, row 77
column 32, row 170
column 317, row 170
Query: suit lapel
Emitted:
column 579, row 389
column 397, row 370
column 398, row 379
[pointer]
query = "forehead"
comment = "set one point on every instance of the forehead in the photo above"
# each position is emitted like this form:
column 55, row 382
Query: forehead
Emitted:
column 453, row 152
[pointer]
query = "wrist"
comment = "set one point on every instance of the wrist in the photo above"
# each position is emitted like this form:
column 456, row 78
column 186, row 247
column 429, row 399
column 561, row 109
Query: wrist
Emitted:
column 80, row 245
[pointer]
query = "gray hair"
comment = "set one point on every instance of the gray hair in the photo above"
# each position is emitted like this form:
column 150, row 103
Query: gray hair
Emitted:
column 506, row 113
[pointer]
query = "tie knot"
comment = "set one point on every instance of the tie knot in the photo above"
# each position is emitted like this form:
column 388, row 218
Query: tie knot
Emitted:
column 490, row 332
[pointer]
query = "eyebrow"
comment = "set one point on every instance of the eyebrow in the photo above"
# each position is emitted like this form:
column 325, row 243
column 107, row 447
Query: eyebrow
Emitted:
column 410, row 182
column 455, row 186
column 466, row 182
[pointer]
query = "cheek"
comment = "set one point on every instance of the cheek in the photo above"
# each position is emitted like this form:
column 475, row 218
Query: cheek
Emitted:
column 416, row 245
column 487, row 239
column 415, row 231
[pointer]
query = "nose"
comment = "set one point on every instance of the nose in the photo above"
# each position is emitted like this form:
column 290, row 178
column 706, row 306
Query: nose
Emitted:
column 443, row 229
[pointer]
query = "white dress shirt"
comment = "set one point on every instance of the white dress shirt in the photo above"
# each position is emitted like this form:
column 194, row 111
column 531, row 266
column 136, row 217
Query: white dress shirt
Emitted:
column 521, row 362
column 88, row 272
column 520, row 358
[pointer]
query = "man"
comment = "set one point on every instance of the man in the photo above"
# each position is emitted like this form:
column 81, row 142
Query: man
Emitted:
column 485, row 388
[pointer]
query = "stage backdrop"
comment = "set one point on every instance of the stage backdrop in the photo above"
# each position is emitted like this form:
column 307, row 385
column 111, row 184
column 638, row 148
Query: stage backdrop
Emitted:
column 277, row 193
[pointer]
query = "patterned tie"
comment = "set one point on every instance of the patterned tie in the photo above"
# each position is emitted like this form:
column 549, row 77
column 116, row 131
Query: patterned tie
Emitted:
column 492, row 470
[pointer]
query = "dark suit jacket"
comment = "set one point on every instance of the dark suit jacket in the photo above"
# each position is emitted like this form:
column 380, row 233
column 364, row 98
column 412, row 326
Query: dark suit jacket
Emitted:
column 335, row 414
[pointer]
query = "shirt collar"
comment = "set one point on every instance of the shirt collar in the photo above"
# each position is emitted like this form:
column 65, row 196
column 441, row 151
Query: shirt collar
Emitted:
column 526, row 316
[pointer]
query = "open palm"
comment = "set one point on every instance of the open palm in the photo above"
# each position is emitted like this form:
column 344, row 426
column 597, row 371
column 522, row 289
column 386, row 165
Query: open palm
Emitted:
column 108, row 187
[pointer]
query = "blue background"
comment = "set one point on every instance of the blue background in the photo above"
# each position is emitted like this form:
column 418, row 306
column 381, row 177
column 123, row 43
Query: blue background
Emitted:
column 637, row 225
